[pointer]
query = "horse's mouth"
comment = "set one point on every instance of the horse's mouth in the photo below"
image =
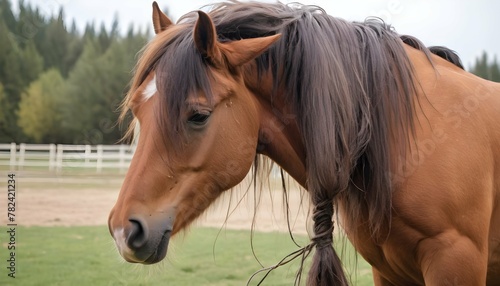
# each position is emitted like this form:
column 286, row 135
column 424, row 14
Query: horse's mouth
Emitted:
column 160, row 251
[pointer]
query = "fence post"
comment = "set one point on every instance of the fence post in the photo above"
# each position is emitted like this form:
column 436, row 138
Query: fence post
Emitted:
column 99, row 158
column 88, row 151
column 12, row 163
column 22, row 150
column 59, row 158
column 52, row 157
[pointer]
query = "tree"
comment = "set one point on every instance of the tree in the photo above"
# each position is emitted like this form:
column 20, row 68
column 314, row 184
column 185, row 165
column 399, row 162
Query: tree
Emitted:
column 75, row 49
column 40, row 108
column 10, row 75
column 77, row 113
column 7, row 15
column 31, row 63
column 12, row 82
column 485, row 69
column 30, row 25
column 105, row 78
column 495, row 70
column 53, row 44
column 5, row 112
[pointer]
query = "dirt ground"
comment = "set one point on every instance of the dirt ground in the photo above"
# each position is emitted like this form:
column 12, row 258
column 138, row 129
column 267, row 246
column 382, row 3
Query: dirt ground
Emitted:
column 57, row 205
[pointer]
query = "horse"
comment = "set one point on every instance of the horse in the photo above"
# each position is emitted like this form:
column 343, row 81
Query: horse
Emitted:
column 399, row 144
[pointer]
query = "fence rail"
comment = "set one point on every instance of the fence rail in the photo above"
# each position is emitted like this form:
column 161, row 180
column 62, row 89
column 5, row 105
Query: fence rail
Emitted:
column 58, row 157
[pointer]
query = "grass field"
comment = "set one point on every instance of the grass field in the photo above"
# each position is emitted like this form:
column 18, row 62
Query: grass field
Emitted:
column 84, row 255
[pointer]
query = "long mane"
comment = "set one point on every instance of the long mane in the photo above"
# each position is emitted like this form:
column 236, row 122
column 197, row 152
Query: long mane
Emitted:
column 351, row 85
column 352, row 88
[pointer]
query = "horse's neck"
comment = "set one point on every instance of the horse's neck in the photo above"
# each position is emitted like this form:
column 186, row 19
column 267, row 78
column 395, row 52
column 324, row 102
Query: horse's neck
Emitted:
column 280, row 140
column 279, row 136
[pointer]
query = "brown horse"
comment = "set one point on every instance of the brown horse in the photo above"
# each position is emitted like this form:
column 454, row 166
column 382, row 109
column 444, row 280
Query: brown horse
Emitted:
column 403, row 145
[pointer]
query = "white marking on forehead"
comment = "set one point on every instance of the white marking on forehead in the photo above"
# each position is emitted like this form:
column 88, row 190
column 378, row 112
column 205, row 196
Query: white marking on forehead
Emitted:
column 150, row 89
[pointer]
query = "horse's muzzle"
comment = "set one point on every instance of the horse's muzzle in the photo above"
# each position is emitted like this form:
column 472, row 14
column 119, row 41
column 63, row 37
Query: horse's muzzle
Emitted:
column 144, row 238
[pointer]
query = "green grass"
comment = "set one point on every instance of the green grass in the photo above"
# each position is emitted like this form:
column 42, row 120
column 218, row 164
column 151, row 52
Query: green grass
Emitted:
column 87, row 256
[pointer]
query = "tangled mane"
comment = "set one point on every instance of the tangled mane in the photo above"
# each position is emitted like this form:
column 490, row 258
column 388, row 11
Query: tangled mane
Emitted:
column 352, row 88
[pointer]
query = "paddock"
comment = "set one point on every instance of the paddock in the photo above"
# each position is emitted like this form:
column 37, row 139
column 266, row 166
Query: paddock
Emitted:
column 64, row 216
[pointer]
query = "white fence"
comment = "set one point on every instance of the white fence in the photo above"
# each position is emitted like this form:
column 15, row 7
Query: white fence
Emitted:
column 58, row 157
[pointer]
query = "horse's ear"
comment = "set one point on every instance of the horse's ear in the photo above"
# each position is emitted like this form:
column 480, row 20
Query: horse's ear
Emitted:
column 160, row 21
column 205, row 38
column 242, row 51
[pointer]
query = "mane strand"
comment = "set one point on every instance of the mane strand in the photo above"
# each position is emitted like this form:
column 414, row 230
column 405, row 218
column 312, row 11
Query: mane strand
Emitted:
column 352, row 88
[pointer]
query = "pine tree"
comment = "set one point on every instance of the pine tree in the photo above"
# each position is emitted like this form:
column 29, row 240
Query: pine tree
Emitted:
column 5, row 117
column 104, row 39
column 54, row 46
column 31, row 63
column 495, row 71
column 11, row 80
column 481, row 66
column 485, row 69
column 89, row 33
column 30, row 24
column 10, row 75
column 7, row 15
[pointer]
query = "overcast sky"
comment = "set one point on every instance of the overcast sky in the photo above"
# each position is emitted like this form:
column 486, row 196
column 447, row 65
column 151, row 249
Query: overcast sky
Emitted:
column 466, row 26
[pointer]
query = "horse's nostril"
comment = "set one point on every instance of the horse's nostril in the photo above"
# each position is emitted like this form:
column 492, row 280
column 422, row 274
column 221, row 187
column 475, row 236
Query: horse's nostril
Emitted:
column 138, row 234
column 144, row 238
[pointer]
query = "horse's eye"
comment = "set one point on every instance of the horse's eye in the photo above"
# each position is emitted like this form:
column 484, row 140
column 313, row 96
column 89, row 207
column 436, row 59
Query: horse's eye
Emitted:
column 199, row 119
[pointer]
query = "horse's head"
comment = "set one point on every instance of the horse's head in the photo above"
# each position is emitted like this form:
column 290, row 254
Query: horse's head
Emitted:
column 199, row 128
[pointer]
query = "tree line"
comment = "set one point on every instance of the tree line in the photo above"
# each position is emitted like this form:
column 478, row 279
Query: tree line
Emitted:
column 62, row 85
column 59, row 84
